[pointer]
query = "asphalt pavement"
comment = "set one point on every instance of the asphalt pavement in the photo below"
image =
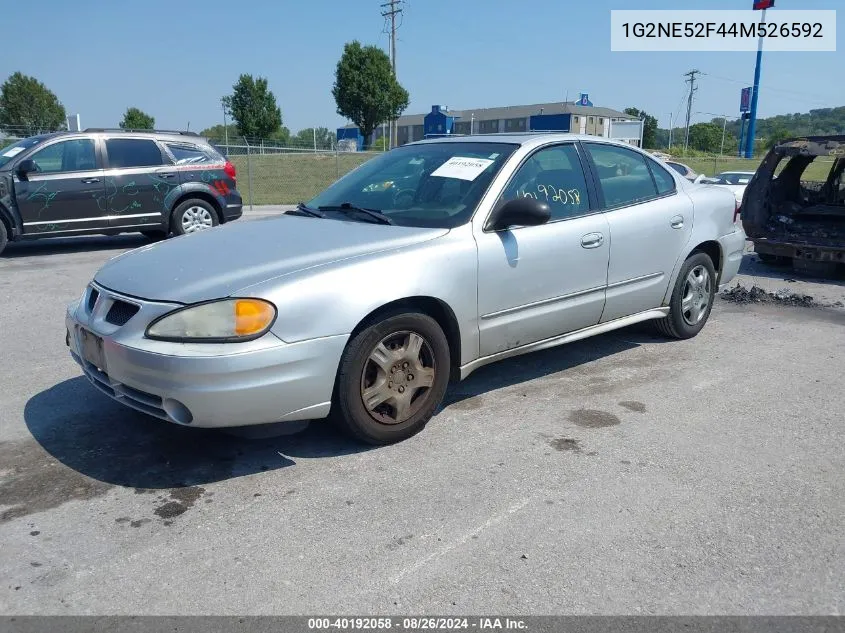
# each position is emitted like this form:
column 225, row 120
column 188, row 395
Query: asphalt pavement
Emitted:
column 623, row 474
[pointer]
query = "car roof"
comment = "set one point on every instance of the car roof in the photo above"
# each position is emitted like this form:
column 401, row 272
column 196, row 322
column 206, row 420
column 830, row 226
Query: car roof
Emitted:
column 190, row 137
column 528, row 139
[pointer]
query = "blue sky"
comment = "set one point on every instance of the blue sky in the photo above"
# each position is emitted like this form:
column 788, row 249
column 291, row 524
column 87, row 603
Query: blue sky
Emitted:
column 175, row 58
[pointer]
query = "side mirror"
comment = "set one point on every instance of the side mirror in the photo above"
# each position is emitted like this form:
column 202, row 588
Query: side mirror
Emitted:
column 518, row 212
column 26, row 167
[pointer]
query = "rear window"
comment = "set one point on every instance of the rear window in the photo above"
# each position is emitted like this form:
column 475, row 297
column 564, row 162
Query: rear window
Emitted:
column 187, row 154
column 132, row 152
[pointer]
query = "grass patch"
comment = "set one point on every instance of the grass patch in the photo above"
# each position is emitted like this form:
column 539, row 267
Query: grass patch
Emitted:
column 817, row 171
column 291, row 178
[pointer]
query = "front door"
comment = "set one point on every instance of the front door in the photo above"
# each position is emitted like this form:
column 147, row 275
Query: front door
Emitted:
column 63, row 195
column 650, row 224
column 538, row 282
column 138, row 179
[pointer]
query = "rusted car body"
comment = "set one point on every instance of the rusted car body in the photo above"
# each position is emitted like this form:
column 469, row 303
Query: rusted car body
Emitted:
column 789, row 217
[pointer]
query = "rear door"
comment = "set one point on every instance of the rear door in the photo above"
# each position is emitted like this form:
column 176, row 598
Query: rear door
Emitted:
column 650, row 223
column 138, row 178
column 65, row 194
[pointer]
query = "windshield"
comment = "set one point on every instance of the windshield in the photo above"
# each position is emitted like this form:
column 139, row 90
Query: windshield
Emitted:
column 734, row 179
column 10, row 151
column 429, row 185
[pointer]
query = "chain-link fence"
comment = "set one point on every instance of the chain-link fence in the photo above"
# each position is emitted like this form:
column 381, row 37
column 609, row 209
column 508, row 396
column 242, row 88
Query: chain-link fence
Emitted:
column 271, row 172
column 287, row 172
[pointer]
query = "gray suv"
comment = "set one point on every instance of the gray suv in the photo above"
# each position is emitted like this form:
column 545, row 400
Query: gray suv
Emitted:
column 114, row 181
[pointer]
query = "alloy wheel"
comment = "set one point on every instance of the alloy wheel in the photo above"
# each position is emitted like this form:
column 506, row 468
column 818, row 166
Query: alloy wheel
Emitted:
column 397, row 377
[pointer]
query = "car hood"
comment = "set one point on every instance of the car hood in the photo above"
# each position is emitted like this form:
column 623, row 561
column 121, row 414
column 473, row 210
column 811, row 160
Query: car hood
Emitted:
column 217, row 262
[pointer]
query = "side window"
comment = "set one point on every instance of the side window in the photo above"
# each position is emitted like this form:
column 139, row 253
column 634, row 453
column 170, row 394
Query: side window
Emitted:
column 187, row 154
column 71, row 155
column 132, row 152
column 623, row 175
column 662, row 178
column 553, row 175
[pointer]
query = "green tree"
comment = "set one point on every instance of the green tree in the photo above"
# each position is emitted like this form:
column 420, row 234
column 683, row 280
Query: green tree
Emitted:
column 705, row 137
column 218, row 132
column 365, row 88
column 777, row 135
column 26, row 102
column 136, row 119
column 253, row 106
column 649, row 127
column 306, row 137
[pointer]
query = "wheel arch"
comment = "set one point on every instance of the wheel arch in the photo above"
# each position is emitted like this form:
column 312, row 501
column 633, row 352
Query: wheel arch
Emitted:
column 435, row 308
column 711, row 248
column 199, row 194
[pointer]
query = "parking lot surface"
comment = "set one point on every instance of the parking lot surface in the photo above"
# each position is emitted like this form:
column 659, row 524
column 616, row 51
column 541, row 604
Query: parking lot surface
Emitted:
column 620, row 474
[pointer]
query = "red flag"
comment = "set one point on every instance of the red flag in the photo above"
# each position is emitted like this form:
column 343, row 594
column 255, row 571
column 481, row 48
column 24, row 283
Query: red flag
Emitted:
column 763, row 4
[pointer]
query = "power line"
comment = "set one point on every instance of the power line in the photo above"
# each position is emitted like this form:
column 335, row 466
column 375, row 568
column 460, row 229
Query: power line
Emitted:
column 692, row 90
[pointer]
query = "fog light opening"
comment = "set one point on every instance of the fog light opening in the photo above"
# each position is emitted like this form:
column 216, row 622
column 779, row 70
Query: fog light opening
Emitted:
column 177, row 411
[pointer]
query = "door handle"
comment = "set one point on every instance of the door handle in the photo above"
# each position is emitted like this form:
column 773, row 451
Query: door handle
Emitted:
column 592, row 240
column 166, row 175
column 677, row 222
column 90, row 181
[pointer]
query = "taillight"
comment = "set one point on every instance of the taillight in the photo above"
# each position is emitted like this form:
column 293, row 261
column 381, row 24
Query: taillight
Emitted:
column 230, row 170
column 736, row 211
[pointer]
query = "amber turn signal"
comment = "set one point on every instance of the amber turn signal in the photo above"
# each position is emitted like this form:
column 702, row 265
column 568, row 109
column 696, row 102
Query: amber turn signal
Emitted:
column 252, row 316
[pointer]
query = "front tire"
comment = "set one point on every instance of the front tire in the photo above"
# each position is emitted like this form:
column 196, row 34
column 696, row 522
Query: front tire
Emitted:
column 392, row 377
column 4, row 237
column 192, row 216
column 692, row 298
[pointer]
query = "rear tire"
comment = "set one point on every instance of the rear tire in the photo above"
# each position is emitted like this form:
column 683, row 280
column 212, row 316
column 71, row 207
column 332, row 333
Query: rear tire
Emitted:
column 4, row 237
column 392, row 377
column 692, row 298
column 193, row 215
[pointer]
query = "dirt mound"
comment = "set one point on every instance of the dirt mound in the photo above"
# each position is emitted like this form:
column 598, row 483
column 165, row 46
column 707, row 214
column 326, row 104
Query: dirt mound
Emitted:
column 742, row 295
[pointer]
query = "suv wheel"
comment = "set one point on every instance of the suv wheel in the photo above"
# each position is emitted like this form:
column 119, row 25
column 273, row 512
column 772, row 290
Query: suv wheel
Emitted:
column 4, row 238
column 392, row 377
column 193, row 215
column 692, row 298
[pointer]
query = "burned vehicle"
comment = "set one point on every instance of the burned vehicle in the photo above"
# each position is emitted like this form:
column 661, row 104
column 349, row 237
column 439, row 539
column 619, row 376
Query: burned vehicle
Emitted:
column 792, row 217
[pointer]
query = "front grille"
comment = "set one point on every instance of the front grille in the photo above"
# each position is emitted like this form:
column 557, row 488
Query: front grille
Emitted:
column 93, row 293
column 120, row 312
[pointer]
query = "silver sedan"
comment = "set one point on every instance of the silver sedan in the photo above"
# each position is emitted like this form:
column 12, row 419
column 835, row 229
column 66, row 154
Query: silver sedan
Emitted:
column 410, row 272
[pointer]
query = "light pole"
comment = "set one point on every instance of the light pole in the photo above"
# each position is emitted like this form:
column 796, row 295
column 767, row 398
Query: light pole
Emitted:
column 671, row 119
column 724, row 128
column 752, row 121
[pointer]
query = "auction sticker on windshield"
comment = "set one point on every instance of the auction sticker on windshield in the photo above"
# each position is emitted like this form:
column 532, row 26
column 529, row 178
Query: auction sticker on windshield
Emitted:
column 462, row 167
column 14, row 152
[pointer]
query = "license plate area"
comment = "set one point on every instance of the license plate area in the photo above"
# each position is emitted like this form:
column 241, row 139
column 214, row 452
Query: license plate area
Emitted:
column 91, row 348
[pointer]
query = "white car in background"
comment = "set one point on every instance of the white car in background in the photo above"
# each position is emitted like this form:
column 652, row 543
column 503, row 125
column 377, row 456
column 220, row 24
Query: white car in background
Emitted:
column 685, row 171
column 735, row 181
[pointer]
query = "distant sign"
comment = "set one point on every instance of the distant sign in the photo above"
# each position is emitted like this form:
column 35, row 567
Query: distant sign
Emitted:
column 585, row 100
column 763, row 4
column 745, row 100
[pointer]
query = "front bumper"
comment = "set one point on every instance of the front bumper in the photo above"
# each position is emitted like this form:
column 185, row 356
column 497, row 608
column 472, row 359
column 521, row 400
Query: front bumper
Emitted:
column 205, row 385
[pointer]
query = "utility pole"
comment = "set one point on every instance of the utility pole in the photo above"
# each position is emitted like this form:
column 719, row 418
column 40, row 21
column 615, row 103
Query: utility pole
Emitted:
column 691, row 81
column 391, row 9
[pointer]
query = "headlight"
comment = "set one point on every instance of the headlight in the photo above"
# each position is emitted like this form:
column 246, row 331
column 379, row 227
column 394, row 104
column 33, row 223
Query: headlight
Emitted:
column 229, row 320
